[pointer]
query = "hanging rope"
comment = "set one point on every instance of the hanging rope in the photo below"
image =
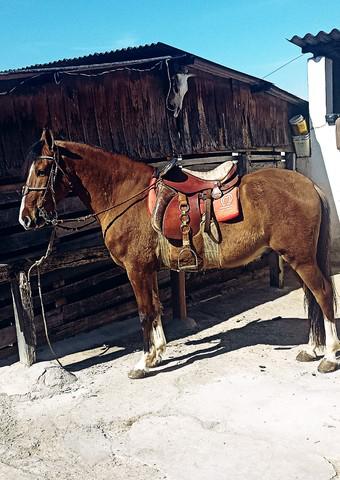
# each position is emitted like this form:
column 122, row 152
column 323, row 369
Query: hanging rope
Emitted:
column 57, row 75
column 37, row 264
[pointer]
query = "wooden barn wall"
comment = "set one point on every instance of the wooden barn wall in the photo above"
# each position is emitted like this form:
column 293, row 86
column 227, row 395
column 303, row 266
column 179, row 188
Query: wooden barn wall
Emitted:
column 125, row 112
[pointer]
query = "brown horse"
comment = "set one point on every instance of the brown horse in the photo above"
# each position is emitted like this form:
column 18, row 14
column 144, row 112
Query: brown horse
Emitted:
column 281, row 210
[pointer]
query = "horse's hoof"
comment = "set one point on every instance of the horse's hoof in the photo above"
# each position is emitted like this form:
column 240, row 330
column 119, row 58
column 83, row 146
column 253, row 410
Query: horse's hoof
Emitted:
column 303, row 356
column 134, row 374
column 327, row 366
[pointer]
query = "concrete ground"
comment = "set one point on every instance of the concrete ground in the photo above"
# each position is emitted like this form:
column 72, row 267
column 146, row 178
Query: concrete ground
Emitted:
column 229, row 402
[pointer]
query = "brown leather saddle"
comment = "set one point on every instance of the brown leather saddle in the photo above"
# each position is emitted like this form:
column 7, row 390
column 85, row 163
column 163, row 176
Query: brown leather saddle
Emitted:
column 183, row 198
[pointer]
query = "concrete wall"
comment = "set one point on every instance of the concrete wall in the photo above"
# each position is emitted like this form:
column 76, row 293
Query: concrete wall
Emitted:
column 324, row 164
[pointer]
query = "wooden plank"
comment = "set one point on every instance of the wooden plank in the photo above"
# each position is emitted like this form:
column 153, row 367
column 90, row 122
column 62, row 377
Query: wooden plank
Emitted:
column 64, row 259
column 89, row 282
column 101, row 300
column 24, row 322
column 87, row 115
column 264, row 158
column 97, row 302
column 4, row 273
column 179, row 306
column 7, row 352
column 291, row 161
column 11, row 196
column 11, row 142
column 7, row 336
column 196, row 161
column 254, row 166
column 71, row 89
column 117, row 313
column 74, row 259
column 6, row 312
column 276, row 269
column 23, row 240
column 54, row 98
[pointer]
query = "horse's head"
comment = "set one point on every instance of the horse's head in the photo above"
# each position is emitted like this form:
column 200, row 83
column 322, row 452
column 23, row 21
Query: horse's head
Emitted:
column 46, row 184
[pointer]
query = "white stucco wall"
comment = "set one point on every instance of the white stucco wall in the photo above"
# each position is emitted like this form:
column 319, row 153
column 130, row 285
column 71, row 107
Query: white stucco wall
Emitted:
column 324, row 164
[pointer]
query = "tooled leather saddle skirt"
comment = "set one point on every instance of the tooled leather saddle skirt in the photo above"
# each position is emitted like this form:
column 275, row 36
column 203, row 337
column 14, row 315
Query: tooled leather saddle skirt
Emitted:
column 213, row 193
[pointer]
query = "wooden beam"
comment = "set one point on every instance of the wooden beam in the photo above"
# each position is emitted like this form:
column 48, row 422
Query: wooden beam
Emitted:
column 291, row 161
column 179, row 305
column 24, row 319
column 7, row 337
column 276, row 270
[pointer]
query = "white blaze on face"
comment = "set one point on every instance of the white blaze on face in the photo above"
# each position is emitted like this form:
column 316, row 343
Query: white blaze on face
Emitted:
column 23, row 200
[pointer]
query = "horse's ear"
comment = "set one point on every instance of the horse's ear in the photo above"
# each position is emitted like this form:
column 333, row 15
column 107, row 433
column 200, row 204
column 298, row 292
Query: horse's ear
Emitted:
column 48, row 138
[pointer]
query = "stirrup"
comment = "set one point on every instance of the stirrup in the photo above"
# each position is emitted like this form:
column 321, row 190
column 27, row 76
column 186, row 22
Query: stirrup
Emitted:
column 187, row 268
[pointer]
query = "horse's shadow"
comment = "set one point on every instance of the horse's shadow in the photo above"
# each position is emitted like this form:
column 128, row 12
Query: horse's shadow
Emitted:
column 281, row 333
column 206, row 313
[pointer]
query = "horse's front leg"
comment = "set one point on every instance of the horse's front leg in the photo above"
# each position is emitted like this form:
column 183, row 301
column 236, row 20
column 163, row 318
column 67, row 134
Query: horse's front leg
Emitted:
column 149, row 309
column 157, row 333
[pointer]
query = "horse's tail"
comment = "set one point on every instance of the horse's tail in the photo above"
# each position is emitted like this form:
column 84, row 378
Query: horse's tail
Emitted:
column 323, row 260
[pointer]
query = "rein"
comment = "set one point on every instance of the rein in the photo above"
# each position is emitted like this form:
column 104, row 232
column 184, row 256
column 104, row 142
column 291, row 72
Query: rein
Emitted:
column 61, row 223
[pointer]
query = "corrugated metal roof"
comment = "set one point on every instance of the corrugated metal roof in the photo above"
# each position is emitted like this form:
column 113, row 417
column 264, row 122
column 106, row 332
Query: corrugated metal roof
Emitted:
column 322, row 44
column 140, row 55
column 114, row 56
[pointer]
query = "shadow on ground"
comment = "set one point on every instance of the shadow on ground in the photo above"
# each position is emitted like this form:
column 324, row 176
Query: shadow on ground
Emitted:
column 227, row 303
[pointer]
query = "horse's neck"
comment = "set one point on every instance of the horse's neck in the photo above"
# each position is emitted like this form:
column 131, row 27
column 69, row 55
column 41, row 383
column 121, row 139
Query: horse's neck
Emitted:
column 101, row 178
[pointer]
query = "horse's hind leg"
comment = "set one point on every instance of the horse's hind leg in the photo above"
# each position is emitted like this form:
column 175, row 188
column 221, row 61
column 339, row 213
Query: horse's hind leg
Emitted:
column 323, row 333
column 149, row 313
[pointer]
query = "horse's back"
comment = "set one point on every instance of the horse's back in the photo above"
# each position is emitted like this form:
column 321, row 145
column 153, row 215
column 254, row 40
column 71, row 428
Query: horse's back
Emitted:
column 279, row 190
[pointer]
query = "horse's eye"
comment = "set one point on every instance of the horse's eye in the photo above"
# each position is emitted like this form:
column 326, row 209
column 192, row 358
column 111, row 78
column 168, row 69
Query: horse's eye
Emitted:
column 41, row 173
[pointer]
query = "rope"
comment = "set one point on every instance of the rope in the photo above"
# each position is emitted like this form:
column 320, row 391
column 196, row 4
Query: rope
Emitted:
column 60, row 222
column 45, row 322
column 57, row 75
column 170, row 87
column 37, row 264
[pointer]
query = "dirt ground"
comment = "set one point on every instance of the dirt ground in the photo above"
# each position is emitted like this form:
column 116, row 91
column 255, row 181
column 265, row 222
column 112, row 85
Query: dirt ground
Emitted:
column 229, row 401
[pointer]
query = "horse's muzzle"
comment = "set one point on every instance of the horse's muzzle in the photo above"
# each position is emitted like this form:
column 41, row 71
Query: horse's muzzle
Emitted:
column 30, row 223
column 26, row 223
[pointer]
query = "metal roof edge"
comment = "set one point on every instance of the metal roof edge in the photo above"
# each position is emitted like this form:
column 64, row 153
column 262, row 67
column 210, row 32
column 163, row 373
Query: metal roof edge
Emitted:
column 310, row 43
column 174, row 53
column 94, row 56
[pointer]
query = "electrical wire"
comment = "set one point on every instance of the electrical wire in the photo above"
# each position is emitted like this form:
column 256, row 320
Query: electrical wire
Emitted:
column 282, row 66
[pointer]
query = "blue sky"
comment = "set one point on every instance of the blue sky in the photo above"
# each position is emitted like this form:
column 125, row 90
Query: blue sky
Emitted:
column 249, row 36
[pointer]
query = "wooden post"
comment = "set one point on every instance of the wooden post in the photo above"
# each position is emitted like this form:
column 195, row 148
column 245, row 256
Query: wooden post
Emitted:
column 24, row 319
column 291, row 161
column 243, row 164
column 276, row 270
column 179, row 304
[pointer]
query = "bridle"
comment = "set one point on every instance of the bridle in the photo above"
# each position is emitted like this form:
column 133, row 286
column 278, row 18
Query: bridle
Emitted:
column 53, row 219
column 49, row 186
